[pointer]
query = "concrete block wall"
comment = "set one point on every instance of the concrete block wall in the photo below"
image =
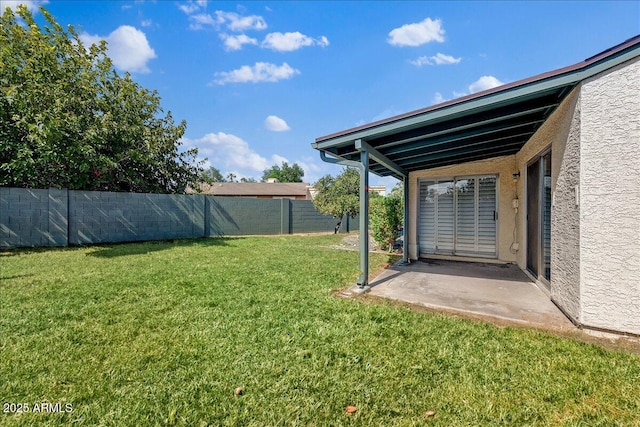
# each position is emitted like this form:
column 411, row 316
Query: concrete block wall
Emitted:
column 236, row 216
column 33, row 217
column 306, row 219
column 56, row 217
column 99, row 217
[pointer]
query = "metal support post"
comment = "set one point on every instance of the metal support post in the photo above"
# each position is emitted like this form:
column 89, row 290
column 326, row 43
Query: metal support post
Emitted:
column 405, row 228
column 363, row 280
column 363, row 169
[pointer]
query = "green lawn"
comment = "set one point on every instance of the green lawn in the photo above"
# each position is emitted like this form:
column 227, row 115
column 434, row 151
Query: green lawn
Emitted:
column 162, row 334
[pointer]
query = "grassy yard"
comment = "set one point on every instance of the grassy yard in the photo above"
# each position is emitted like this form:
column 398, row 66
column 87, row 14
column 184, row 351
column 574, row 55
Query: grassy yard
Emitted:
column 162, row 334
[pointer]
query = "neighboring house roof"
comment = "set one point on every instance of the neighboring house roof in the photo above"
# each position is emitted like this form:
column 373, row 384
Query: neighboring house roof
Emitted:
column 492, row 123
column 253, row 189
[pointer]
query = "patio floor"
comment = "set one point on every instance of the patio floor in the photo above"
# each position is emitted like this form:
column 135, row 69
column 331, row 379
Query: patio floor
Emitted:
column 491, row 291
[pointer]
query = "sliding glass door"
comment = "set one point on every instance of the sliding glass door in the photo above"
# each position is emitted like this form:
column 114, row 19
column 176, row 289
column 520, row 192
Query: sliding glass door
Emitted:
column 539, row 217
column 458, row 216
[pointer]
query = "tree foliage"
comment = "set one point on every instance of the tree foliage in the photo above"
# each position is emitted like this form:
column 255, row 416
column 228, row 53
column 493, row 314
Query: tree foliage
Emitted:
column 397, row 191
column 213, row 175
column 284, row 173
column 338, row 196
column 68, row 119
column 386, row 215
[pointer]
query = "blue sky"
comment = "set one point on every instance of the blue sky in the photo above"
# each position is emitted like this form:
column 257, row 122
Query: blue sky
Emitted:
column 257, row 82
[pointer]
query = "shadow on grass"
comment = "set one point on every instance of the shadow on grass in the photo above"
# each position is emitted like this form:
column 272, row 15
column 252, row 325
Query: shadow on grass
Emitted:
column 15, row 276
column 140, row 248
column 110, row 250
column 8, row 252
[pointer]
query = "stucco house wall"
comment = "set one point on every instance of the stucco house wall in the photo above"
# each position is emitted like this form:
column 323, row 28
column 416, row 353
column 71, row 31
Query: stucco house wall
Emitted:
column 594, row 136
column 561, row 133
column 610, row 199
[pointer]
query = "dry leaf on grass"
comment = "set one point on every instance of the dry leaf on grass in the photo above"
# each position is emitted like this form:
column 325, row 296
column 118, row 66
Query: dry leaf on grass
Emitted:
column 351, row 409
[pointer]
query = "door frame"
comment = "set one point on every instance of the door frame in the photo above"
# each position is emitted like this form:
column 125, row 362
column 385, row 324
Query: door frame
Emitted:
column 539, row 274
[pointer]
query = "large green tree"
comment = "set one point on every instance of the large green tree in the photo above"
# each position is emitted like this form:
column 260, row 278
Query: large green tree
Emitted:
column 340, row 195
column 68, row 119
column 284, row 173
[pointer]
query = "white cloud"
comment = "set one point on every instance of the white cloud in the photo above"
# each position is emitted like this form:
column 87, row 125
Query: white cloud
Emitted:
column 235, row 22
column 287, row 42
column 276, row 124
column 191, row 6
column 188, row 8
column 484, row 83
column 225, row 22
column 32, row 5
column 438, row 99
column 438, row 59
column 200, row 20
column 231, row 20
column 128, row 48
column 146, row 23
column 417, row 34
column 312, row 168
column 230, row 153
column 278, row 160
column 419, row 62
column 322, row 41
column 260, row 72
column 442, row 59
column 232, row 42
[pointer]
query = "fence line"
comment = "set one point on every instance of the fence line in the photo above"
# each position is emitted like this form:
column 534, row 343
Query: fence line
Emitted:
column 60, row 217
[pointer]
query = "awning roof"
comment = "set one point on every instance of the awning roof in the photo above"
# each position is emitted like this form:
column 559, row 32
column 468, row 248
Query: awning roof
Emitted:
column 492, row 123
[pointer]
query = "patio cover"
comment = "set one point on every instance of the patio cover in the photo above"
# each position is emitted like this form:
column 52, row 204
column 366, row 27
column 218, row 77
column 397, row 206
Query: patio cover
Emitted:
column 487, row 124
column 492, row 123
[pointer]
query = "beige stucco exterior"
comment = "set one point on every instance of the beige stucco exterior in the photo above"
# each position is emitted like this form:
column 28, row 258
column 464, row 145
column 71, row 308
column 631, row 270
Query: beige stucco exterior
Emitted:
column 594, row 138
column 610, row 199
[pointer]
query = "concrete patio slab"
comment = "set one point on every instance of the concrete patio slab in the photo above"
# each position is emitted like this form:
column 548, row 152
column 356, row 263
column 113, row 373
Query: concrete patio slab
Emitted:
column 492, row 291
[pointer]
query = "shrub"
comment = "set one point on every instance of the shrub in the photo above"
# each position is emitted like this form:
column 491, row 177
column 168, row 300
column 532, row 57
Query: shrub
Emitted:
column 385, row 215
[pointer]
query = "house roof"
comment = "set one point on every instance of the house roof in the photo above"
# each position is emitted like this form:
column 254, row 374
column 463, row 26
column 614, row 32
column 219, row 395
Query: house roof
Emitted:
column 491, row 123
column 250, row 189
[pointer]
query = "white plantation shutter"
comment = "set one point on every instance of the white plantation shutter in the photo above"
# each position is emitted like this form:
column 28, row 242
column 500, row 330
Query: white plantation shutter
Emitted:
column 487, row 208
column 427, row 217
column 467, row 216
column 458, row 216
column 445, row 217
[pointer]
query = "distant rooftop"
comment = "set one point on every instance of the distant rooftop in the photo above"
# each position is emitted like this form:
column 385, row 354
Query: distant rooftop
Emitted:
column 254, row 189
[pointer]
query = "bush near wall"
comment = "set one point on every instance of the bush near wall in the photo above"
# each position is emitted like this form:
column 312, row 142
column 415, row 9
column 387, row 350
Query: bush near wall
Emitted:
column 385, row 219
